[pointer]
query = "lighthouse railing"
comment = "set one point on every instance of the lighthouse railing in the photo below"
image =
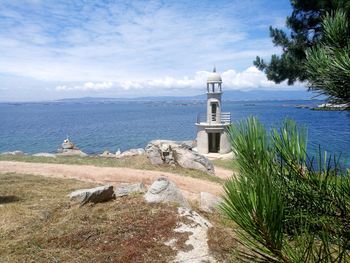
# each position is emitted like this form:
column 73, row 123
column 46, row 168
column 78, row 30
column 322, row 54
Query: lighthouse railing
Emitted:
column 225, row 118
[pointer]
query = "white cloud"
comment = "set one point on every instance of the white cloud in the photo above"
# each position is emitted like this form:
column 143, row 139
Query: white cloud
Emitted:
column 134, row 46
column 67, row 42
column 88, row 86
column 249, row 79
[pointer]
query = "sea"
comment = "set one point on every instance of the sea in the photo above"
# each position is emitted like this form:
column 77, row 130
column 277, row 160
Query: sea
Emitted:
column 111, row 125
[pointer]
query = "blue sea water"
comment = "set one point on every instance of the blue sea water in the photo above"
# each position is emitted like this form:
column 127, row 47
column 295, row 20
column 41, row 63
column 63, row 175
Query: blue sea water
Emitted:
column 98, row 126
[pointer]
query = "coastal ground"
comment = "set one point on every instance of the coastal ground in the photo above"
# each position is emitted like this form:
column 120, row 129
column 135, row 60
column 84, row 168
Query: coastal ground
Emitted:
column 106, row 170
column 38, row 223
column 190, row 186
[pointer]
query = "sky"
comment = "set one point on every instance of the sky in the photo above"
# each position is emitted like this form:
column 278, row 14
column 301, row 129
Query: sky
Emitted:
column 53, row 49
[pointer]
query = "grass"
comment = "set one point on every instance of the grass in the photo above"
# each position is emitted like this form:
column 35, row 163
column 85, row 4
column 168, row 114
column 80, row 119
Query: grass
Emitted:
column 137, row 162
column 226, row 164
column 39, row 224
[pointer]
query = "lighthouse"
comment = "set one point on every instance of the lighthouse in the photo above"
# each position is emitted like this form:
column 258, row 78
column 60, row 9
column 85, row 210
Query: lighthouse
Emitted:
column 212, row 136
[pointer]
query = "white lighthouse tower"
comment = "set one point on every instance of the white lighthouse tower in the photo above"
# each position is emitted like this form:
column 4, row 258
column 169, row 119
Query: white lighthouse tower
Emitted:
column 212, row 136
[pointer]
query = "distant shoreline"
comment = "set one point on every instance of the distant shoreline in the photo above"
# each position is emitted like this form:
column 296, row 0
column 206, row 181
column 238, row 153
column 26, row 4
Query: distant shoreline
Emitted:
column 79, row 101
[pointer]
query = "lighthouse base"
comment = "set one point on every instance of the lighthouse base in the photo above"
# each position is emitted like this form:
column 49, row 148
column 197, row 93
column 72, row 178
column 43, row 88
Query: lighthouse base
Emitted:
column 212, row 139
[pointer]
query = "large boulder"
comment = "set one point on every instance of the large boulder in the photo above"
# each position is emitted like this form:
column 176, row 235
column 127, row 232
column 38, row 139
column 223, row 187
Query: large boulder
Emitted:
column 181, row 154
column 93, row 195
column 165, row 191
column 127, row 189
column 130, row 153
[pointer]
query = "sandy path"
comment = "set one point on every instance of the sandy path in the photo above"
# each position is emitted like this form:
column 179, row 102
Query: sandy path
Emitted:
column 115, row 175
column 223, row 173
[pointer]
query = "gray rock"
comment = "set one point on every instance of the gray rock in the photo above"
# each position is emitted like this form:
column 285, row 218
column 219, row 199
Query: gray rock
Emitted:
column 197, row 229
column 17, row 153
column 72, row 152
column 126, row 189
column 189, row 143
column 67, row 144
column 173, row 153
column 130, row 153
column 68, row 148
column 93, row 195
column 107, row 154
column 49, row 155
column 165, row 191
column 209, row 202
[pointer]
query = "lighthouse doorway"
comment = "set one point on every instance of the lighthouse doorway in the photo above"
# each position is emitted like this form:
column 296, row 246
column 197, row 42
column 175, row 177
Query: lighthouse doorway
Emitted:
column 214, row 142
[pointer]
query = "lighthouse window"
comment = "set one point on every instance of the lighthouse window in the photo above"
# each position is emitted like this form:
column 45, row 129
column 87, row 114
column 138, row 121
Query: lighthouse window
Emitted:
column 213, row 111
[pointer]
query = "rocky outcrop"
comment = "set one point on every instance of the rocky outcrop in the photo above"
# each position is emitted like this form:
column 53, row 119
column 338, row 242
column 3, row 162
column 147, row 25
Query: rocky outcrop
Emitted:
column 67, row 145
column 209, row 202
column 72, row 152
column 174, row 153
column 165, row 191
column 48, row 155
column 127, row 189
column 130, row 153
column 197, row 249
column 107, row 154
column 69, row 149
column 94, row 195
column 17, row 153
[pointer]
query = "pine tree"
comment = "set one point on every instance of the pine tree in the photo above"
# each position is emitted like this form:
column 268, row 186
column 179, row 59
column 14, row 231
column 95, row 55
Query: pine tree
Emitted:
column 328, row 63
column 305, row 24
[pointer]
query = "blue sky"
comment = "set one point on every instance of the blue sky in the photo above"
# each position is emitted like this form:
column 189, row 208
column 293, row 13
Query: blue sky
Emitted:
column 60, row 49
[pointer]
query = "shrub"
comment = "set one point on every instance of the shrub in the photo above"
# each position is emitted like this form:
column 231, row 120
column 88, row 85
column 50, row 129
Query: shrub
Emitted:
column 289, row 207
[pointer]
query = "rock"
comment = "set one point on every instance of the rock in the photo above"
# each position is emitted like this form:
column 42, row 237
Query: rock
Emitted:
column 130, row 153
column 17, row 153
column 93, row 195
column 209, row 202
column 164, row 191
column 173, row 153
column 72, row 152
column 126, row 189
column 67, row 144
column 49, row 155
column 107, row 154
column 189, row 143
column 197, row 249
column 69, row 149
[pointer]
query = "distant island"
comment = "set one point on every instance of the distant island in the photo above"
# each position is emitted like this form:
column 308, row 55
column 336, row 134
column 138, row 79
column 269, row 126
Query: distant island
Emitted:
column 231, row 95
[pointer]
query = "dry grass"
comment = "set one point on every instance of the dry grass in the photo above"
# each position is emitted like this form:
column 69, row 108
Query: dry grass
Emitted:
column 137, row 162
column 39, row 224
column 226, row 164
column 222, row 241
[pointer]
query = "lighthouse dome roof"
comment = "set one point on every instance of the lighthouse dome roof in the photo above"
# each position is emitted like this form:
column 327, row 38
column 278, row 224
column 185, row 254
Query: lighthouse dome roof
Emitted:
column 214, row 77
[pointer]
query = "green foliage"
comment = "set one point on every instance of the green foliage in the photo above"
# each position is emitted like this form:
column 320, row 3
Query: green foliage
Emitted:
column 328, row 63
column 287, row 210
column 306, row 31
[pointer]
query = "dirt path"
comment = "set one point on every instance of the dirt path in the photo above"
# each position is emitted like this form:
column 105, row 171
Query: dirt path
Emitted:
column 113, row 175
